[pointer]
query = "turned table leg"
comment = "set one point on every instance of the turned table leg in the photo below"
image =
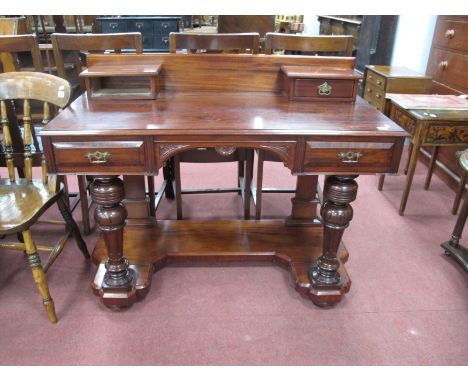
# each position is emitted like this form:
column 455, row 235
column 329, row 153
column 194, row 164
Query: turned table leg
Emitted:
column 338, row 193
column 118, row 285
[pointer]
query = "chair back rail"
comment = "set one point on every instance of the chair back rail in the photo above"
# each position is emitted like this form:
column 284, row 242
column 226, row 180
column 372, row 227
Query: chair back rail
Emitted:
column 214, row 41
column 22, row 43
column 303, row 43
column 91, row 42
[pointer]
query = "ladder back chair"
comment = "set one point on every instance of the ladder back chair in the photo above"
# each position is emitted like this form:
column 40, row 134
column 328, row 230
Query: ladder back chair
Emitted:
column 74, row 44
column 14, row 44
column 24, row 200
column 89, row 42
column 214, row 43
column 304, row 44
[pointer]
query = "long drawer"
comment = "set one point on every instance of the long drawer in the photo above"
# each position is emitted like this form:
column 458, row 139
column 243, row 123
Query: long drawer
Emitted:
column 449, row 68
column 451, row 34
column 99, row 157
column 360, row 156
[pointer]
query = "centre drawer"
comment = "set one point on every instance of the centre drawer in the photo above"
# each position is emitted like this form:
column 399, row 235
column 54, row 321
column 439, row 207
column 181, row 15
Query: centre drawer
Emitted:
column 349, row 157
column 336, row 88
column 99, row 157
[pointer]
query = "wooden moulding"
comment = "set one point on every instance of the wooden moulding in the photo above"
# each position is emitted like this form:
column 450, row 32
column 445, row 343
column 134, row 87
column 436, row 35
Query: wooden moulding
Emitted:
column 122, row 82
column 208, row 243
column 320, row 83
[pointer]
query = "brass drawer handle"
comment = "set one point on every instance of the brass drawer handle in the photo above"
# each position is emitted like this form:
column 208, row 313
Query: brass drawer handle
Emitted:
column 443, row 65
column 377, row 95
column 350, row 157
column 98, row 157
column 450, row 33
column 324, row 90
column 379, row 82
column 369, row 90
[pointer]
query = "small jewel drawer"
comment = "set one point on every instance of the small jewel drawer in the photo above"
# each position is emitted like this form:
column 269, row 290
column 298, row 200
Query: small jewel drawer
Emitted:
column 303, row 83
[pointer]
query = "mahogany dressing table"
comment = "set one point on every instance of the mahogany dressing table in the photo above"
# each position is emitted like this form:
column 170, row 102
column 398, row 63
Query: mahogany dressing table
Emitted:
column 223, row 102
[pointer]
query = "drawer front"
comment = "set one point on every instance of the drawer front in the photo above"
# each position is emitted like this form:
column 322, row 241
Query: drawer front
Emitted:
column 164, row 27
column 449, row 68
column 320, row 88
column 143, row 26
column 101, row 157
column 114, row 26
column 375, row 79
column 451, row 34
column 161, row 42
column 349, row 157
column 375, row 96
column 403, row 119
column 148, row 42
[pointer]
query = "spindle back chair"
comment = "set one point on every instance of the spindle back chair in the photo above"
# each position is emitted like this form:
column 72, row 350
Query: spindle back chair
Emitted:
column 24, row 200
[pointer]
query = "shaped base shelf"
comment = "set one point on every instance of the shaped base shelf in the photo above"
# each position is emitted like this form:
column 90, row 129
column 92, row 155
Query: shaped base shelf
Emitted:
column 213, row 242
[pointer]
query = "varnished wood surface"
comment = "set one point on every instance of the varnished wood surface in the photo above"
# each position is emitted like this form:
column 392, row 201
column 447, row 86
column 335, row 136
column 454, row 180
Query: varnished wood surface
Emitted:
column 32, row 85
column 227, row 242
column 305, row 43
column 202, row 113
column 214, row 41
column 219, row 72
column 22, row 202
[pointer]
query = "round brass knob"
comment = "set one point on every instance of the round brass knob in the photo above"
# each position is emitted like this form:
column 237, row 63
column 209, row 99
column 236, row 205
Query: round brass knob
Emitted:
column 450, row 33
column 443, row 65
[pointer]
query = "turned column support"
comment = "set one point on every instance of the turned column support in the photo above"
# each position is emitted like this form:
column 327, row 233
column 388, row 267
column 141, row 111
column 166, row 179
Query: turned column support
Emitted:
column 336, row 212
column 118, row 285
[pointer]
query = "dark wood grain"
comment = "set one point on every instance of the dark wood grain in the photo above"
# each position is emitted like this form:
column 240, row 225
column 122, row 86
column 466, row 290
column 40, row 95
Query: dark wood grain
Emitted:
column 227, row 102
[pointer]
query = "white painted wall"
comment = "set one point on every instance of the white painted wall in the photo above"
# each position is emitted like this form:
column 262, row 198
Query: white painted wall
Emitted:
column 412, row 41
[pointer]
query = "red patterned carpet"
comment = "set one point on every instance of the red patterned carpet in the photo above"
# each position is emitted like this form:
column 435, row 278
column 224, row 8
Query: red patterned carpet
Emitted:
column 408, row 304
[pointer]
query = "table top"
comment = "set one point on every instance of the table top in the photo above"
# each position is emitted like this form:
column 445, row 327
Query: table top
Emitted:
column 223, row 114
column 432, row 106
column 395, row 71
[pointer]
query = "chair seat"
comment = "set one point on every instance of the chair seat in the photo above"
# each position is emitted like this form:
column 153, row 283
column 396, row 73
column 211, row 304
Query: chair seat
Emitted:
column 22, row 202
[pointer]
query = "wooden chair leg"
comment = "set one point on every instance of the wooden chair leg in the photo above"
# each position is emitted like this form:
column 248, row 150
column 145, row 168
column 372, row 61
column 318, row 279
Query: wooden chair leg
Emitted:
column 168, row 175
column 152, row 197
column 258, row 191
column 248, row 175
column 459, row 194
column 67, row 216
column 64, row 180
column 83, row 188
column 39, row 276
column 240, row 174
column 177, row 186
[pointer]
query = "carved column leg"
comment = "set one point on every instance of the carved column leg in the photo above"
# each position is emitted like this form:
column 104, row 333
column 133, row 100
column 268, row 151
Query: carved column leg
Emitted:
column 117, row 288
column 336, row 213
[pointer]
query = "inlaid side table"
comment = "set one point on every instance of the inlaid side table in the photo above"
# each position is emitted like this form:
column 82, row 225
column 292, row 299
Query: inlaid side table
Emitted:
column 432, row 121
